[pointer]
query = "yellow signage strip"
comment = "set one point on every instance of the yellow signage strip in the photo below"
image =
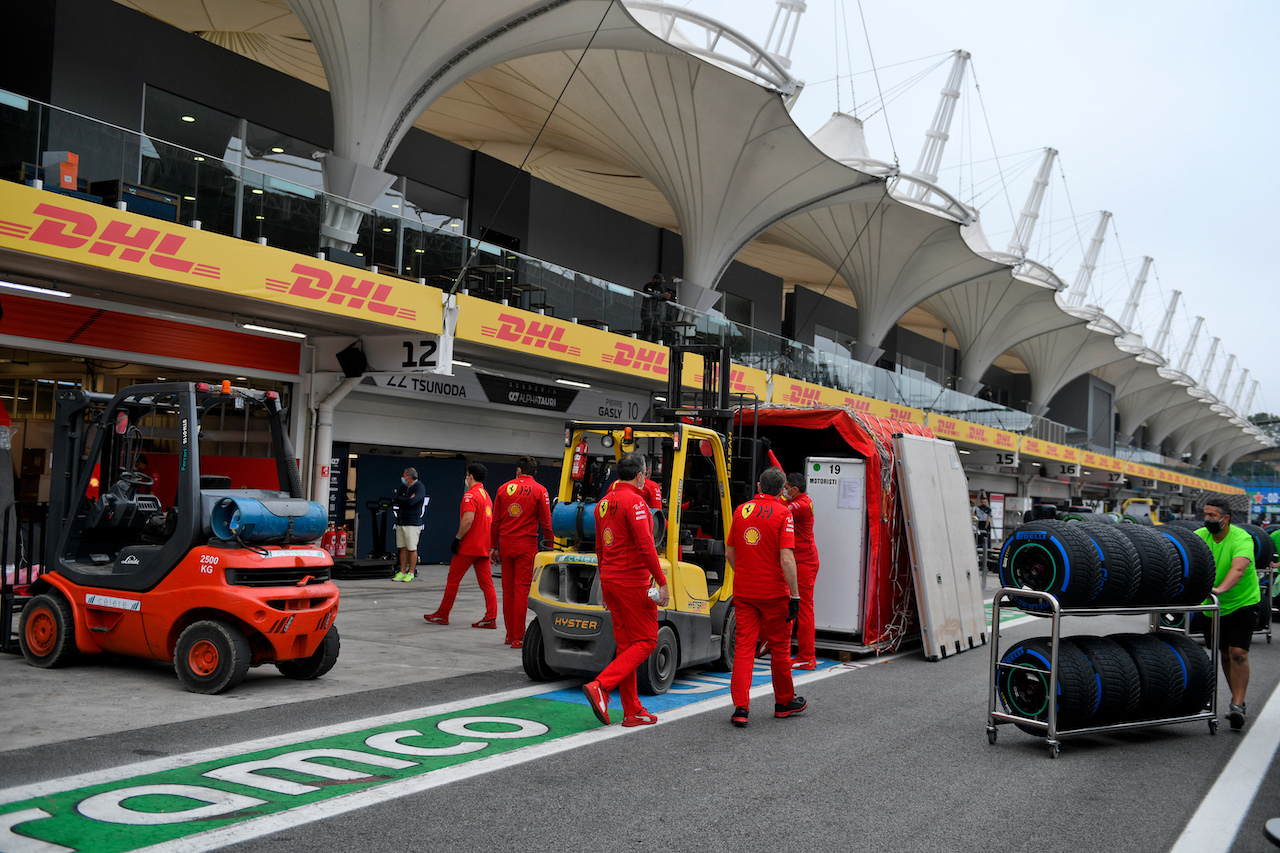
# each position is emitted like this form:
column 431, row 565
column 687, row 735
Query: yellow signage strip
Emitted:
column 70, row 229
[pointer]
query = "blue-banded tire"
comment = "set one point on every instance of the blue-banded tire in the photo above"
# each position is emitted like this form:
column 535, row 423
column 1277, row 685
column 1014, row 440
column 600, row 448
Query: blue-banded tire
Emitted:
column 1023, row 684
column 1161, row 565
column 1197, row 672
column 1264, row 550
column 1119, row 686
column 1121, row 569
column 1196, row 561
column 1055, row 557
column 1160, row 672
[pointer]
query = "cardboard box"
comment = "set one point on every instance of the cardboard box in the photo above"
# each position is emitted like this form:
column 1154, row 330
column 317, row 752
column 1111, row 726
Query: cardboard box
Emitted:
column 61, row 168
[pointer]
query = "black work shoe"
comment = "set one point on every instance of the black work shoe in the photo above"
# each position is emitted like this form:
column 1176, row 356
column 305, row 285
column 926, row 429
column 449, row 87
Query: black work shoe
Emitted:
column 739, row 717
column 795, row 706
column 1235, row 716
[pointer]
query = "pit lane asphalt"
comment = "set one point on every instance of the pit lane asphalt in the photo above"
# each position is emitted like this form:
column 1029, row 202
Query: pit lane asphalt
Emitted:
column 888, row 757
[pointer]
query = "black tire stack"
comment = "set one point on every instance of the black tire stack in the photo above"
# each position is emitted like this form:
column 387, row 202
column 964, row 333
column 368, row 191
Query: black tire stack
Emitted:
column 1107, row 680
column 1099, row 564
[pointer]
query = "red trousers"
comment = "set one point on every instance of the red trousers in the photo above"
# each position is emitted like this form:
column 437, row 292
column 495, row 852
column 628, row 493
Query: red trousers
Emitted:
column 517, row 575
column 806, row 653
column 768, row 619
column 484, row 574
column 635, row 632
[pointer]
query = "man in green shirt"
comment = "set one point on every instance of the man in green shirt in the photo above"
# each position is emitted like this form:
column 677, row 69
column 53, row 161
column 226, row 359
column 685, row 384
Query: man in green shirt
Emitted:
column 1236, row 585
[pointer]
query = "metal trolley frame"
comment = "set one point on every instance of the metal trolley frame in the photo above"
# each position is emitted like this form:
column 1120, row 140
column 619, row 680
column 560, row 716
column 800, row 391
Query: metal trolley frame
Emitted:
column 1053, row 736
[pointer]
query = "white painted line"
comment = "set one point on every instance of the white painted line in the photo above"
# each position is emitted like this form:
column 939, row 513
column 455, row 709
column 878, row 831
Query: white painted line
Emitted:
column 1214, row 826
column 258, row 827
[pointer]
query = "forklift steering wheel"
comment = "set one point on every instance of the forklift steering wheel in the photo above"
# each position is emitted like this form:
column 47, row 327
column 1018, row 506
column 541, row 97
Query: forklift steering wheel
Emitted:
column 136, row 478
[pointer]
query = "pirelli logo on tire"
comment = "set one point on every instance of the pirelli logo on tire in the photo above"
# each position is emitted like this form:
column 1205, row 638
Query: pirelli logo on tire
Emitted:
column 577, row 624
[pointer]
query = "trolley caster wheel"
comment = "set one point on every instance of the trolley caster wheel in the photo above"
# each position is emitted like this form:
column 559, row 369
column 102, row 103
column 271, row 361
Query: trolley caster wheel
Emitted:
column 1213, row 726
column 991, row 734
column 1053, row 750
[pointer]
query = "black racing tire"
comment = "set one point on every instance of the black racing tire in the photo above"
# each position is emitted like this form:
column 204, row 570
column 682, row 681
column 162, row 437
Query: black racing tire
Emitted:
column 1185, row 523
column 1264, row 605
column 1074, row 516
column 533, row 654
column 1264, row 550
column 728, row 642
column 1119, row 686
column 211, row 657
column 1160, row 671
column 1196, row 562
column 320, row 662
column 1142, row 520
column 655, row 675
column 1022, row 683
column 1051, row 556
column 1110, row 517
column 1161, row 565
column 1121, row 569
column 47, row 631
column 1197, row 671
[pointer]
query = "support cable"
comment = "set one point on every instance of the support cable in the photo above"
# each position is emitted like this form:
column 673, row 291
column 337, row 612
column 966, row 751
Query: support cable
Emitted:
column 883, row 105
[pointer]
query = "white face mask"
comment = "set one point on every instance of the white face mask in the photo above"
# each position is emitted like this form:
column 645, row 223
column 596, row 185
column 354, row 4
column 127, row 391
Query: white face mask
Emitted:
column 404, row 480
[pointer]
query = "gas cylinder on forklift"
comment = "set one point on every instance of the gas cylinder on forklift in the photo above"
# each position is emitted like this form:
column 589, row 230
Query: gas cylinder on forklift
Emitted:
column 692, row 445
column 214, row 565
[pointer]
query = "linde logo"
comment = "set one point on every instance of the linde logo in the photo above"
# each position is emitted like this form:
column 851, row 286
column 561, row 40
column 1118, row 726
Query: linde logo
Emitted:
column 637, row 357
column 534, row 334
column 131, row 560
column 363, row 295
column 71, row 229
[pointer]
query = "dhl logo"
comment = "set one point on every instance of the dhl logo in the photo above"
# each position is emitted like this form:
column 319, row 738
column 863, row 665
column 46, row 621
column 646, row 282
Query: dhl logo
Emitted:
column 945, row 426
column 515, row 330
column 737, row 380
column 1004, row 440
column 857, row 404
column 899, row 414
column 71, row 229
column 318, row 284
column 636, row 357
column 801, row 396
column 977, row 433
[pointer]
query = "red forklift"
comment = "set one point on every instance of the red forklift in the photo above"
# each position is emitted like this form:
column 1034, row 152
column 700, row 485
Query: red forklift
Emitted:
column 177, row 531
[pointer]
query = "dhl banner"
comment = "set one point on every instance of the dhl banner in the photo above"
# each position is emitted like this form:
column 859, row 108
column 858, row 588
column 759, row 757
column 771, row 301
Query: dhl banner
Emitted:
column 967, row 433
column 70, row 229
column 794, row 392
column 742, row 380
column 1048, row 450
column 1098, row 461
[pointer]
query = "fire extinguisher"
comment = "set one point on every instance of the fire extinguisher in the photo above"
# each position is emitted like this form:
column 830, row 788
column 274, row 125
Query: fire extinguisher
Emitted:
column 342, row 542
column 579, row 467
column 328, row 540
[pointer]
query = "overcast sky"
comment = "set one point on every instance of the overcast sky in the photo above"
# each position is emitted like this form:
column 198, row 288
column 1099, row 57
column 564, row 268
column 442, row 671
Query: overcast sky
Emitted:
column 1163, row 113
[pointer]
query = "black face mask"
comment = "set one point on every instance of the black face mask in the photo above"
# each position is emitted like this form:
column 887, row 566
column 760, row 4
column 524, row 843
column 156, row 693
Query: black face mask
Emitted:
column 1213, row 526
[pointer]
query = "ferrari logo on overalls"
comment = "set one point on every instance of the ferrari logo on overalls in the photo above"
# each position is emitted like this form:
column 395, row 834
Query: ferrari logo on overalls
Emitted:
column 604, row 507
column 511, row 489
column 747, row 509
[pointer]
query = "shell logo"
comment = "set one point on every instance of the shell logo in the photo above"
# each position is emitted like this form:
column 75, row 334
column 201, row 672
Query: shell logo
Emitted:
column 513, row 510
column 511, row 489
column 488, row 512
column 747, row 509
column 608, row 536
column 752, row 535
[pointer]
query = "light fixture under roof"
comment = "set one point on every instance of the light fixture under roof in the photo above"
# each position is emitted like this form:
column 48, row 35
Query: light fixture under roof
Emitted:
column 271, row 330
column 29, row 288
column 457, row 363
column 573, row 382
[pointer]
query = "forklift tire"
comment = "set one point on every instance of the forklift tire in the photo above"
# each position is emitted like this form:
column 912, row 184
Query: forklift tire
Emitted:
column 728, row 640
column 534, row 654
column 212, row 656
column 326, row 655
column 655, row 675
column 47, row 633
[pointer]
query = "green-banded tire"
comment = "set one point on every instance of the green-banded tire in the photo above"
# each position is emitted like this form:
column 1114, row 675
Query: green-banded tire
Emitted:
column 1119, row 687
column 1161, row 566
column 1055, row 557
column 1197, row 671
column 1195, row 561
column 1121, row 569
column 1023, row 684
column 1159, row 670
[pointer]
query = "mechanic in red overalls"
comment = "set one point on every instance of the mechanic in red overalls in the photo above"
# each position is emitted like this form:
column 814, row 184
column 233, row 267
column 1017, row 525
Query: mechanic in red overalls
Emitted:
column 471, row 547
column 519, row 506
column 806, row 552
column 628, row 561
column 765, row 594
column 652, row 491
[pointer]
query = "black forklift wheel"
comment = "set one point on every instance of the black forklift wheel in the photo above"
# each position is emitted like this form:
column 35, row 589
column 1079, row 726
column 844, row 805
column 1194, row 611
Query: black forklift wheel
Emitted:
column 326, row 655
column 655, row 675
column 533, row 654
column 47, row 633
column 211, row 656
column 728, row 641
